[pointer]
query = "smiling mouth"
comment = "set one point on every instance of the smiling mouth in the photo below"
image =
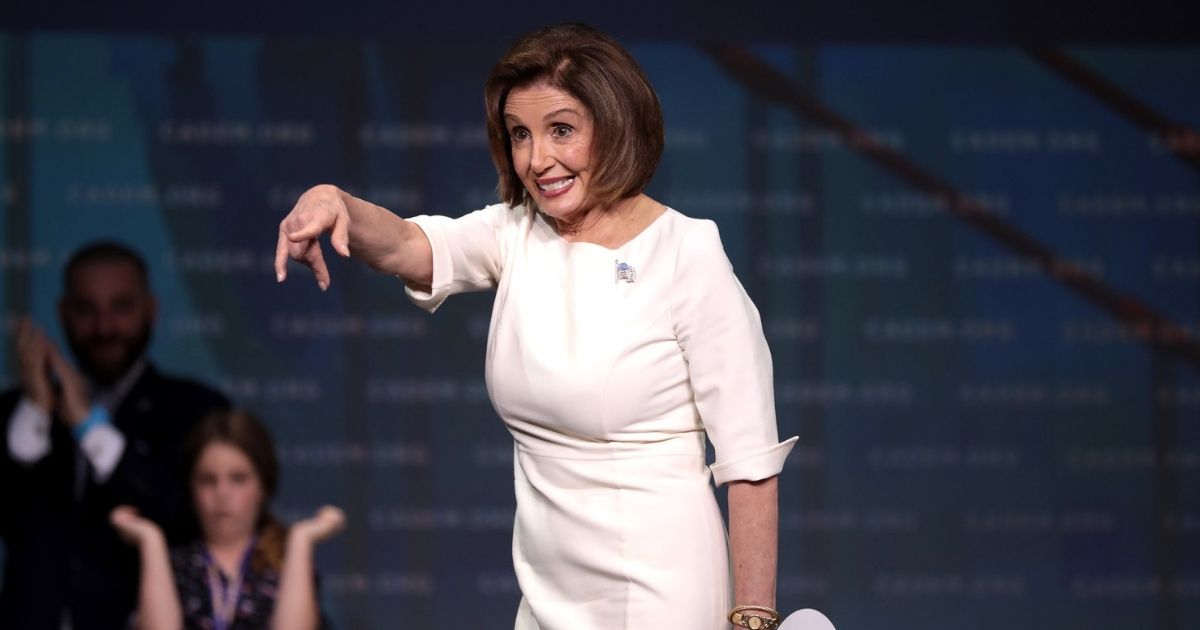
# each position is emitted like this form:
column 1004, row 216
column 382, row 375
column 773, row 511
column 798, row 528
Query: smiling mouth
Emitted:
column 558, row 185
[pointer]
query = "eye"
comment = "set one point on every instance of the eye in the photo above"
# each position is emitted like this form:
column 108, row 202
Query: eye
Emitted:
column 518, row 134
column 562, row 131
column 240, row 478
column 83, row 309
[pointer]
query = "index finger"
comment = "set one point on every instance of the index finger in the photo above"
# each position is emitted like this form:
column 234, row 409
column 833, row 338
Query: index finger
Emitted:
column 281, row 256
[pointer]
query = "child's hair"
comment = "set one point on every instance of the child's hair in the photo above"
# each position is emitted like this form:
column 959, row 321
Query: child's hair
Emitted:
column 240, row 429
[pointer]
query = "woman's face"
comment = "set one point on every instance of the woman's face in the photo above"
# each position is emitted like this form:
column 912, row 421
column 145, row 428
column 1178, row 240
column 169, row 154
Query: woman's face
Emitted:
column 551, row 142
column 227, row 492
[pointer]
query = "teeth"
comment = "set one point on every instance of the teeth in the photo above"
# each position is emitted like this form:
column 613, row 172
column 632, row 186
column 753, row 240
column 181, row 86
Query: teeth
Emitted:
column 558, row 185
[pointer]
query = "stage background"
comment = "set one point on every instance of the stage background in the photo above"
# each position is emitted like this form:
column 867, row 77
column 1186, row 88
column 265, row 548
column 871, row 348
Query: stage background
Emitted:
column 975, row 246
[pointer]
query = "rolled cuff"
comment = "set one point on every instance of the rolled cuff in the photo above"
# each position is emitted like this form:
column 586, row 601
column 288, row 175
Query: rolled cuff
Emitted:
column 28, row 432
column 754, row 466
column 443, row 266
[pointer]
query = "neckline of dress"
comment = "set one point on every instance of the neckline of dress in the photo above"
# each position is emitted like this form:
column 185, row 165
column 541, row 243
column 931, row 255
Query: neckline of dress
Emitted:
column 618, row 248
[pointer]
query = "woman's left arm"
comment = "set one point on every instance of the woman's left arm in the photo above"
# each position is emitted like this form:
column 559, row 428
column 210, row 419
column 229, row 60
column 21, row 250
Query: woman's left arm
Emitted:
column 729, row 368
column 754, row 539
column 296, row 603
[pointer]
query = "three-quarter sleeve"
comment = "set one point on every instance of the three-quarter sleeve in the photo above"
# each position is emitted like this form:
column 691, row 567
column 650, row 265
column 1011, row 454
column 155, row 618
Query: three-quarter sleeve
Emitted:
column 468, row 253
column 729, row 364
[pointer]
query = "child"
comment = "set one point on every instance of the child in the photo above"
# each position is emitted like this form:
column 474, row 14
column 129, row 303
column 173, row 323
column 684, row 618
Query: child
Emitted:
column 247, row 570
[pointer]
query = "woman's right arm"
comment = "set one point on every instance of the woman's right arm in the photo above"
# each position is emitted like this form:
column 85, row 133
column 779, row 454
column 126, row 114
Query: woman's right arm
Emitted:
column 158, row 601
column 374, row 235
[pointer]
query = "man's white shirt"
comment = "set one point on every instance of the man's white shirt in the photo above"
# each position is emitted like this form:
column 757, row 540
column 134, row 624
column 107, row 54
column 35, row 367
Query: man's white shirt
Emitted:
column 102, row 445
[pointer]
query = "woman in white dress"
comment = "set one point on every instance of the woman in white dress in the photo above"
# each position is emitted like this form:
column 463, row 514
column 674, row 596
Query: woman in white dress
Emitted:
column 620, row 338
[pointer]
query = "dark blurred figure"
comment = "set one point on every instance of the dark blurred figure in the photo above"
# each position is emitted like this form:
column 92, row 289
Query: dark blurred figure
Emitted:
column 77, row 443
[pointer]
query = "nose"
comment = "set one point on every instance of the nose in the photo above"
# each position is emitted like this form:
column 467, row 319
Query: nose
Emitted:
column 542, row 156
column 105, row 324
column 223, row 489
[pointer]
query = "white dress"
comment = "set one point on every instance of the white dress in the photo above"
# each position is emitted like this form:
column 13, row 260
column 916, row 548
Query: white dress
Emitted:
column 609, row 383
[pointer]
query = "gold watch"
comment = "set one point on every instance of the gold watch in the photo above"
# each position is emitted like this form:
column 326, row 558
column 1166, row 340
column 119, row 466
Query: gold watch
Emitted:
column 739, row 617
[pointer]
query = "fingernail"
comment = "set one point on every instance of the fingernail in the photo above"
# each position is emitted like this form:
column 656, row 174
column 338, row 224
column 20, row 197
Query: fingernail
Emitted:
column 346, row 251
column 279, row 276
column 324, row 285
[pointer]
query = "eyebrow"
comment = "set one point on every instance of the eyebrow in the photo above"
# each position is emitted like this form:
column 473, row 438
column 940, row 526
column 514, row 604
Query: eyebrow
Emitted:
column 553, row 114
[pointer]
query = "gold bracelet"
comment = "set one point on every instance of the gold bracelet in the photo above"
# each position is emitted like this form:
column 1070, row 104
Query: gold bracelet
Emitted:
column 755, row 622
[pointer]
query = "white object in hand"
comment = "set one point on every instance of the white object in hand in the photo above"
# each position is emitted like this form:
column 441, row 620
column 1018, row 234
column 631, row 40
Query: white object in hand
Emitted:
column 806, row 619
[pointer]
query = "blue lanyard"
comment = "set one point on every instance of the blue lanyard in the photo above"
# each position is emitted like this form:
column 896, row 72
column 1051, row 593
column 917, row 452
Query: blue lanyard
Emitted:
column 224, row 594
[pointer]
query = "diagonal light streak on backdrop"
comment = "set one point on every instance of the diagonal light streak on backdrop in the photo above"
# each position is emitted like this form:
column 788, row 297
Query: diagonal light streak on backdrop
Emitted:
column 1184, row 144
column 769, row 84
column 1180, row 141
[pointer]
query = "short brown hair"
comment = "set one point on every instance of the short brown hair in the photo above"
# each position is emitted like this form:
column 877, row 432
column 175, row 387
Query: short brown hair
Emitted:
column 593, row 68
column 105, row 252
column 241, row 430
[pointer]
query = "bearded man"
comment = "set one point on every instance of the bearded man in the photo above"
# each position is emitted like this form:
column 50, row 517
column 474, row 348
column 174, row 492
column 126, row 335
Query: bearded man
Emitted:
column 79, row 441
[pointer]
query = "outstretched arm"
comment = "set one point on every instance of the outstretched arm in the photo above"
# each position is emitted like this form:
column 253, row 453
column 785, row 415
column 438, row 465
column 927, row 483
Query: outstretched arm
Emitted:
column 296, row 603
column 358, row 228
column 158, row 601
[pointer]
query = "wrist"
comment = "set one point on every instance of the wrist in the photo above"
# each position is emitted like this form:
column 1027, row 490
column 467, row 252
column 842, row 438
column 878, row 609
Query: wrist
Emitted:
column 152, row 538
column 298, row 535
column 755, row 617
column 88, row 420
column 76, row 412
column 37, row 404
column 44, row 402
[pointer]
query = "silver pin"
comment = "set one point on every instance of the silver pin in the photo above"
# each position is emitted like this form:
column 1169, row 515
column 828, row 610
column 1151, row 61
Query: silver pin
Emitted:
column 626, row 272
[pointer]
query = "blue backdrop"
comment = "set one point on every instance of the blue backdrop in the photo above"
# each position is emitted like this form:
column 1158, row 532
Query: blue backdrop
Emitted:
column 985, row 442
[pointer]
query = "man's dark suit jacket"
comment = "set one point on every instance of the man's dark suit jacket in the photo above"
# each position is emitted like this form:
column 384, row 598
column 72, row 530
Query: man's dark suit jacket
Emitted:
column 61, row 553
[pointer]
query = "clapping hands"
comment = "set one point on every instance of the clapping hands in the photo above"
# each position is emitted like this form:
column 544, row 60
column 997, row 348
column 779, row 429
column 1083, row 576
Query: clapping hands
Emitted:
column 41, row 364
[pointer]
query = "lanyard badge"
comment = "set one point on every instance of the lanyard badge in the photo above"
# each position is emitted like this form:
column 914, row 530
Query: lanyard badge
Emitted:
column 224, row 593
